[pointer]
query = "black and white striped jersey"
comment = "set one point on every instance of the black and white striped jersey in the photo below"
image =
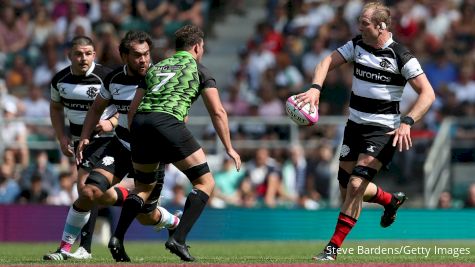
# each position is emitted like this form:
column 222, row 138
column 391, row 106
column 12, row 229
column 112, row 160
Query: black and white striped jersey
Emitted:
column 120, row 89
column 77, row 93
column 379, row 77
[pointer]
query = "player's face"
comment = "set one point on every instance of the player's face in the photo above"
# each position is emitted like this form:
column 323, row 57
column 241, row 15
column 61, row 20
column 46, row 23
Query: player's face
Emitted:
column 200, row 51
column 81, row 57
column 138, row 58
column 367, row 27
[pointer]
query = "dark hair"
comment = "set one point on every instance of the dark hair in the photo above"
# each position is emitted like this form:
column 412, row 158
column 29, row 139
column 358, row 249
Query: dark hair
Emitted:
column 188, row 36
column 81, row 40
column 134, row 36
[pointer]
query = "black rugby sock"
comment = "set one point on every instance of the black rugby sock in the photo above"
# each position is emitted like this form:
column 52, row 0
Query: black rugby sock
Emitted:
column 88, row 230
column 132, row 205
column 194, row 205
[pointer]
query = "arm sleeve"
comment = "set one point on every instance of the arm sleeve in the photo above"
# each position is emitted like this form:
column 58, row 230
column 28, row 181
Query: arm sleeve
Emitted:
column 55, row 96
column 347, row 51
column 104, row 92
column 206, row 80
column 411, row 69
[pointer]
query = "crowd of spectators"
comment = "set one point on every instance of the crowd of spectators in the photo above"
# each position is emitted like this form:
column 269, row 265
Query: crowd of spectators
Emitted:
column 275, row 62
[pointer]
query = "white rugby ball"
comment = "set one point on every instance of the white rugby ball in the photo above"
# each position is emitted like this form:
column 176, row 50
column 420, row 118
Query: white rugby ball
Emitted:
column 301, row 116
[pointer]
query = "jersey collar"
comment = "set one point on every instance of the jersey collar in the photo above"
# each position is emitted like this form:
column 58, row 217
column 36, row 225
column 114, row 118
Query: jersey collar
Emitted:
column 184, row 53
column 389, row 41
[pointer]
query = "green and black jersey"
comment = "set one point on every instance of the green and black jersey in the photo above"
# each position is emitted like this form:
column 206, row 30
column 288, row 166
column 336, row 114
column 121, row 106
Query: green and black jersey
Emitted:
column 173, row 84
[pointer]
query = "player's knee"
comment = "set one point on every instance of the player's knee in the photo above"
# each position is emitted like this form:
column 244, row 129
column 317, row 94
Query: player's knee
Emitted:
column 89, row 194
column 197, row 171
column 343, row 177
column 98, row 180
column 364, row 172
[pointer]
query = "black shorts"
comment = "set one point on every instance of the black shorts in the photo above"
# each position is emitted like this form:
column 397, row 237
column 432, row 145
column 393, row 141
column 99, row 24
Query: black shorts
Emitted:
column 367, row 139
column 109, row 154
column 160, row 137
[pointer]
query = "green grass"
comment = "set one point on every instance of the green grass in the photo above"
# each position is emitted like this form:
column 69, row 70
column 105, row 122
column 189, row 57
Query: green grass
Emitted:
column 252, row 252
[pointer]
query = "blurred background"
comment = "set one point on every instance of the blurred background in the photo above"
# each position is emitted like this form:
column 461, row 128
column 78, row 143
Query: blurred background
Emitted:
column 260, row 53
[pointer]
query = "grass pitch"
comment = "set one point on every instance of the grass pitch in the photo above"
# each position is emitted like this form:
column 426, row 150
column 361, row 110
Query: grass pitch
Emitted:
column 259, row 252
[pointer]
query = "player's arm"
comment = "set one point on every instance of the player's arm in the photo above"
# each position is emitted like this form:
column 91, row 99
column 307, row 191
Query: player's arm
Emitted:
column 312, row 95
column 134, row 105
column 57, row 120
column 91, row 122
column 425, row 99
column 402, row 135
column 219, row 118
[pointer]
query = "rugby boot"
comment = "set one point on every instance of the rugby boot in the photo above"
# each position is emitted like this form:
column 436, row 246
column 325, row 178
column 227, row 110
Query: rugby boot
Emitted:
column 325, row 255
column 181, row 250
column 389, row 215
column 116, row 247
column 58, row 255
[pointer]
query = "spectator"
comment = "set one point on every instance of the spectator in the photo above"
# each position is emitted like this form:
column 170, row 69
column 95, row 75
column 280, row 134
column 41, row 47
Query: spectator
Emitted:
column 227, row 182
column 234, row 104
column 319, row 172
column 445, row 200
column 34, row 193
column 470, row 200
column 14, row 133
column 262, row 178
column 68, row 192
column 464, row 88
column 39, row 29
column 270, row 105
column 9, row 188
column 287, row 75
column 294, row 172
column 13, row 31
column 46, row 171
column 51, row 64
column 19, row 76
column 313, row 57
column 106, row 46
column 36, row 105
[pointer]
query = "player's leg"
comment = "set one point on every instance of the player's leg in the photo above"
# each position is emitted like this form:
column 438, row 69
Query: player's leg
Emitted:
column 196, row 169
column 153, row 214
column 365, row 170
column 145, row 180
column 97, row 184
column 75, row 220
column 109, row 158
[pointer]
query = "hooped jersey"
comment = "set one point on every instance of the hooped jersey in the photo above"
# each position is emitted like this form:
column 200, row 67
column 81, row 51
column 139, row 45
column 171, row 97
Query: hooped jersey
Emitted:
column 173, row 84
column 120, row 89
column 77, row 93
column 379, row 78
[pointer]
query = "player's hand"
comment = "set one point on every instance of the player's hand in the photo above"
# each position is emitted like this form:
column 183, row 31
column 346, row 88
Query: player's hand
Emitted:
column 66, row 148
column 81, row 146
column 312, row 96
column 235, row 156
column 402, row 137
column 104, row 126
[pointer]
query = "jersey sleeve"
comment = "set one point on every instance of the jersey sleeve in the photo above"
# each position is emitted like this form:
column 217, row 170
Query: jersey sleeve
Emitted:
column 55, row 96
column 347, row 51
column 104, row 92
column 411, row 69
column 206, row 80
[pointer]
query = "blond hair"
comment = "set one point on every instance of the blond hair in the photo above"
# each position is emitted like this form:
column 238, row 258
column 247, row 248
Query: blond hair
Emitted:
column 381, row 13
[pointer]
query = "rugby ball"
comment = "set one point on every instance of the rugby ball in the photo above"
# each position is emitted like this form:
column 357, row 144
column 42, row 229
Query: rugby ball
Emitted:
column 301, row 116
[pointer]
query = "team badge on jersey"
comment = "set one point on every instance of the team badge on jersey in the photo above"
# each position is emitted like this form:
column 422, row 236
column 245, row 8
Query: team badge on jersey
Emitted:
column 108, row 160
column 345, row 150
column 385, row 63
column 91, row 92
